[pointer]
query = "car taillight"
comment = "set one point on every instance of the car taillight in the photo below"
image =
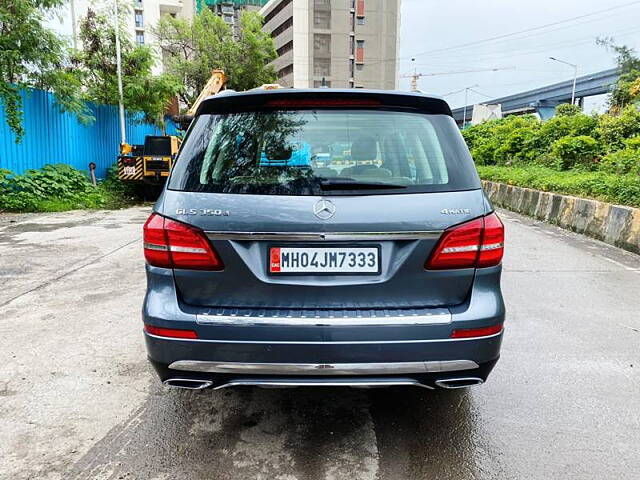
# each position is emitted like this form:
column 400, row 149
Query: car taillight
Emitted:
column 474, row 244
column 492, row 248
column 172, row 244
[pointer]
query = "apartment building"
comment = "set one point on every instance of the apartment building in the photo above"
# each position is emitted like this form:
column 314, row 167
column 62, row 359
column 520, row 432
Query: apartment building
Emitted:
column 230, row 10
column 140, row 16
column 336, row 43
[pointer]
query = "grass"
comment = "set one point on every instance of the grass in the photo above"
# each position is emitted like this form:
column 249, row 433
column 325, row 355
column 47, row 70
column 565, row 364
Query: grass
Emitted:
column 105, row 196
column 102, row 198
column 607, row 187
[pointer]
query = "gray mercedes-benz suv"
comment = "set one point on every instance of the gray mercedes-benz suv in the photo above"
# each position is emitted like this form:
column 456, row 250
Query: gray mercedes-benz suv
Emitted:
column 323, row 237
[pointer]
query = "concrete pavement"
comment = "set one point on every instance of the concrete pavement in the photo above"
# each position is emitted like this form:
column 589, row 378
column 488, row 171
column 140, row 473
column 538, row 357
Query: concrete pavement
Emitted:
column 77, row 399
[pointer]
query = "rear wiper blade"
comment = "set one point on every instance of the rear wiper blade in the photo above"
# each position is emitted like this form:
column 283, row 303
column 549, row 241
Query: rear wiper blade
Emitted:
column 349, row 184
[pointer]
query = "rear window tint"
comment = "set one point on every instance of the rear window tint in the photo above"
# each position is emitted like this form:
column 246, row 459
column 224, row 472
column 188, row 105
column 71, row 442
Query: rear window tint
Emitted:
column 315, row 152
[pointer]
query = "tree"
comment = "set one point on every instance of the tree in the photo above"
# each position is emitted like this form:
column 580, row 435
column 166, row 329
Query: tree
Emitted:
column 32, row 56
column 192, row 49
column 96, row 66
column 626, row 90
column 568, row 110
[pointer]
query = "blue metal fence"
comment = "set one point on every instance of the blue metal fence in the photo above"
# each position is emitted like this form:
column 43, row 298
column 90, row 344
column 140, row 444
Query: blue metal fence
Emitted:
column 55, row 137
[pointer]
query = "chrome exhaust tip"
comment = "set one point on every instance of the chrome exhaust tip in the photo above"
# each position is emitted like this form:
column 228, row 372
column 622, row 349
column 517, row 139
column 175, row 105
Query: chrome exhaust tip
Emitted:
column 454, row 383
column 188, row 383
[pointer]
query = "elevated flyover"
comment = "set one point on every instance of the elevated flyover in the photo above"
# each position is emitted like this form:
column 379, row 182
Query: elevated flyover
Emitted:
column 544, row 99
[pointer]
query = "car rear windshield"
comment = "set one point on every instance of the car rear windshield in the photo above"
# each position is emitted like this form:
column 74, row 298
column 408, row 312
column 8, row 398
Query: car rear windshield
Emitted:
column 315, row 152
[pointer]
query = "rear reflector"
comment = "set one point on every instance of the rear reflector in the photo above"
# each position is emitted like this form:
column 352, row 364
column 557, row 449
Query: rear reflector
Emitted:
column 474, row 244
column 172, row 244
column 323, row 102
column 476, row 332
column 170, row 332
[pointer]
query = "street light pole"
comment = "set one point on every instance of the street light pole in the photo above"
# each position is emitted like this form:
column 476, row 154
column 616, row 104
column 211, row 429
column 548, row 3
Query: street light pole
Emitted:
column 575, row 77
column 464, row 113
column 74, row 29
column 123, row 133
column 466, row 101
column 573, row 90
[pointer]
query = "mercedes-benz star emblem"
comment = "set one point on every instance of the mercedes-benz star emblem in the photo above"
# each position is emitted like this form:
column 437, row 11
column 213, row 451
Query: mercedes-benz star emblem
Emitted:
column 324, row 209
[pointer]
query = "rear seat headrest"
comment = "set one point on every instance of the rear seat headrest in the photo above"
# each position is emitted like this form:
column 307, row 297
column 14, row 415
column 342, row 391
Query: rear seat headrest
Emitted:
column 364, row 148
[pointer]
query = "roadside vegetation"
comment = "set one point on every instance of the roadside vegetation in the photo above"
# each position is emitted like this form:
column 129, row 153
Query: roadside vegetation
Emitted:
column 60, row 187
column 594, row 156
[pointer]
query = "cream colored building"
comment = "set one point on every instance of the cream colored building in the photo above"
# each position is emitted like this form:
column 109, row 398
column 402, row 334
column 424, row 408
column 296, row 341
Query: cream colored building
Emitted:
column 348, row 43
column 141, row 16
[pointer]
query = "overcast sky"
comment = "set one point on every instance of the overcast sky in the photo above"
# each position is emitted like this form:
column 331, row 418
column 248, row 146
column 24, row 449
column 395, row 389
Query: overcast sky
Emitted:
column 442, row 25
column 429, row 25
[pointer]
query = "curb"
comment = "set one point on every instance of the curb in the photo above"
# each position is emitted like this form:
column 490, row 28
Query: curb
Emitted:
column 613, row 224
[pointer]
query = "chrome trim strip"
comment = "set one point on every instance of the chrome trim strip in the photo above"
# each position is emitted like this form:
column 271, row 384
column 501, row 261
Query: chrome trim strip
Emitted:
column 244, row 321
column 324, row 236
column 390, row 368
column 352, row 383
column 328, row 342
column 153, row 246
column 175, row 248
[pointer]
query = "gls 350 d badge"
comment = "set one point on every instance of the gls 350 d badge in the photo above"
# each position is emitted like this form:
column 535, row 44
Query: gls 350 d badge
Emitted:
column 208, row 212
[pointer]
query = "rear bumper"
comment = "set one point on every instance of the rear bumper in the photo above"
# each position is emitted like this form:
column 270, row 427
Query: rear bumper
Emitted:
column 430, row 380
column 278, row 350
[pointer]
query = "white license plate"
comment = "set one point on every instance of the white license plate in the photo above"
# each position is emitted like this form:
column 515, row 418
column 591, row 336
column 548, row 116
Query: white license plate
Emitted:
column 325, row 260
column 129, row 170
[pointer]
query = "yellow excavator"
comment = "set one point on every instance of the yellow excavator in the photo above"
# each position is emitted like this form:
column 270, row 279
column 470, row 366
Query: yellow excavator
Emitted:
column 150, row 164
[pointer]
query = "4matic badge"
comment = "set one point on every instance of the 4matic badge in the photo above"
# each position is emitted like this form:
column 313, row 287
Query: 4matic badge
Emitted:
column 455, row 211
column 207, row 212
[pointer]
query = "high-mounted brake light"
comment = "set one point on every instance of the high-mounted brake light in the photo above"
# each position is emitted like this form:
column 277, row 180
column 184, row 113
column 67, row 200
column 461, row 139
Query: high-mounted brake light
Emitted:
column 475, row 244
column 323, row 102
column 172, row 244
column 169, row 332
column 477, row 332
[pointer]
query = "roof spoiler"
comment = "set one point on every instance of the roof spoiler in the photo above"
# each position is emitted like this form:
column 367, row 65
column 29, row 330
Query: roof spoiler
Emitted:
column 290, row 99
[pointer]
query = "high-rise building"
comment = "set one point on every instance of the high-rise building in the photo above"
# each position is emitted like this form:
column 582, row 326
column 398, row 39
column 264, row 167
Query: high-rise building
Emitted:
column 338, row 43
column 141, row 16
column 230, row 10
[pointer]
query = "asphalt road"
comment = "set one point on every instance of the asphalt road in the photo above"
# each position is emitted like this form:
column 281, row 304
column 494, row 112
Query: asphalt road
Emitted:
column 77, row 399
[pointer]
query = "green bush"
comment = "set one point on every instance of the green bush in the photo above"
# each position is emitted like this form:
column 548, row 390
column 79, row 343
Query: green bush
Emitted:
column 565, row 126
column 524, row 139
column 571, row 152
column 633, row 143
column 504, row 141
column 58, row 180
column 568, row 110
column 114, row 184
column 56, row 188
column 622, row 162
column 613, row 130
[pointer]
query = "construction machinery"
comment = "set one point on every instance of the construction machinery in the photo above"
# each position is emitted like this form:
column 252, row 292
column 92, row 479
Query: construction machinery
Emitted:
column 216, row 83
column 151, row 163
